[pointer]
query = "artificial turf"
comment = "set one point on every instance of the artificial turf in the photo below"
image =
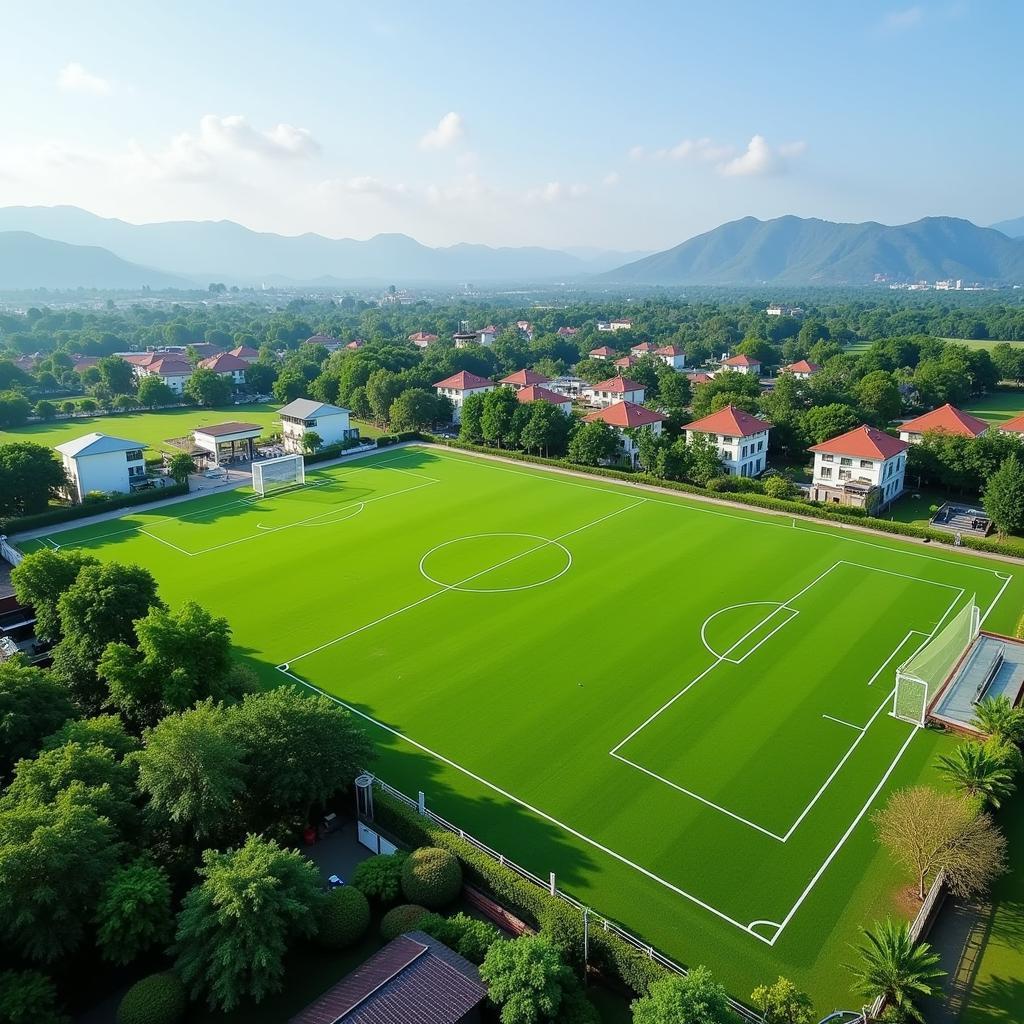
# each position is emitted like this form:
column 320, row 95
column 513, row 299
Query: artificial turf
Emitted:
column 627, row 688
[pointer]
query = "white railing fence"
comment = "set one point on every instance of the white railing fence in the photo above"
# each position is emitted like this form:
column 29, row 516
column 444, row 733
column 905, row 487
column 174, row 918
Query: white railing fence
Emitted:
column 550, row 886
column 10, row 553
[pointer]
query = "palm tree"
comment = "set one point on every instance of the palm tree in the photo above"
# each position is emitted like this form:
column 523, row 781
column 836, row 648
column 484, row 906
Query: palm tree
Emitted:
column 892, row 966
column 998, row 718
column 977, row 769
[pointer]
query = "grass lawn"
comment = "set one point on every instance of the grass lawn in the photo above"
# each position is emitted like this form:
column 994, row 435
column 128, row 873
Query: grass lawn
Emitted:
column 987, row 343
column 999, row 406
column 152, row 428
column 678, row 708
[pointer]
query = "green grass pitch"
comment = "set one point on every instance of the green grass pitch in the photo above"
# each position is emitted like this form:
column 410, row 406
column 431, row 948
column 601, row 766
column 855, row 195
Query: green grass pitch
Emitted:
column 679, row 708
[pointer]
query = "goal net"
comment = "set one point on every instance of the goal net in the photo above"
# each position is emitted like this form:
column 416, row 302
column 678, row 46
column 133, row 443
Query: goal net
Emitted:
column 922, row 675
column 277, row 474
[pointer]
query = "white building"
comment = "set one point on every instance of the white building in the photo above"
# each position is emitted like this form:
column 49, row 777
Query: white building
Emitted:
column 621, row 324
column 537, row 393
column 226, row 365
column 947, row 419
column 671, row 355
column 615, row 389
column 486, row 335
column 624, row 417
column 421, row 339
column 460, row 386
column 97, row 462
column 864, row 467
column 603, row 352
column 303, row 416
column 227, row 442
column 801, row 369
column 174, row 370
column 742, row 364
column 524, row 379
column 742, row 439
column 779, row 310
column 644, row 348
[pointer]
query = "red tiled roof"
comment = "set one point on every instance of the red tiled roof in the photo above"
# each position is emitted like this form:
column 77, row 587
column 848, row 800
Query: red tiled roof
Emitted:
column 169, row 366
column 626, row 361
column 535, row 393
column 1014, row 426
column 243, row 352
column 741, row 361
column 465, row 381
column 224, row 363
column 356, row 343
column 604, row 350
column 618, row 385
column 863, row 442
column 669, row 350
column 422, row 336
column 322, row 339
column 625, row 414
column 623, row 320
column 801, row 366
column 567, row 332
column 947, row 419
column 730, row 420
column 525, row 378
column 145, row 358
column 644, row 346
column 698, row 378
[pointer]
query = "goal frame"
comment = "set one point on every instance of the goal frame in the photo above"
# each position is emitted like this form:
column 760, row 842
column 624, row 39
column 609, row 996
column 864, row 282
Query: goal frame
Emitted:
column 260, row 483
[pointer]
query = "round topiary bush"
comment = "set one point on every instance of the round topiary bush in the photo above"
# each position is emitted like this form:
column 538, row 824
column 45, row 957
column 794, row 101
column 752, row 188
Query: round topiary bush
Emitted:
column 380, row 878
column 344, row 918
column 431, row 876
column 401, row 919
column 156, row 999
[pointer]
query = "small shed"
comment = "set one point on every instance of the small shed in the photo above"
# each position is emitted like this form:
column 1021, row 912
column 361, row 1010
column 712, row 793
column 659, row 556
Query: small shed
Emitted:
column 227, row 442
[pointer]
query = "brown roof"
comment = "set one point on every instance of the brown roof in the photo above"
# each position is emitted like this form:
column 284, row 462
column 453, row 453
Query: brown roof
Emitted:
column 730, row 420
column 567, row 331
column 1014, row 426
column 169, row 366
column 801, row 366
column 224, row 363
column 863, row 442
column 422, row 336
column 220, row 429
column 626, row 362
column 699, row 377
column 625, row 414
column 413, row 980
column 525, row 378
column 670, row 350
column 604, row 350
column 741, row 361
column 644, row 346
column 947, row 419
column 243, row 352
column 535, row 393
column 465, row 381
column 618, row 385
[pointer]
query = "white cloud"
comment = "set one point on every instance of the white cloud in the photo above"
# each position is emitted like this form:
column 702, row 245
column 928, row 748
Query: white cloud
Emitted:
column 637, row 153
column 761, row 159
column 899, row 21
column 446, row 133
column 74, row 77
column 556, row 192
column 364, row 185
column 611, row 178
column 700, row 149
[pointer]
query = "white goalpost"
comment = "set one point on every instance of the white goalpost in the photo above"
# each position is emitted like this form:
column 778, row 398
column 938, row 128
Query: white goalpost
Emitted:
column 922, row 675
column 277, row 474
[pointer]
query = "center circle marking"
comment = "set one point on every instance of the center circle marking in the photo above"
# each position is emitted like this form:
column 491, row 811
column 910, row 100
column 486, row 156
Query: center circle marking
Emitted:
column 542, row 542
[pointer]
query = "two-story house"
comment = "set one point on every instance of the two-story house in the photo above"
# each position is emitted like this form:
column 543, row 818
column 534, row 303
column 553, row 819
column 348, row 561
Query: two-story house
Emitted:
column 459, row 387
column 98, row 462
column 864, row 467
column 615, row 389
column 947, row 419
column 625, row 418
column 741, row 439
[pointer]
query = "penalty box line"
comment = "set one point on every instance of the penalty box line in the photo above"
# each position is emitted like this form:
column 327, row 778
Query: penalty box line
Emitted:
column 583, row 837
column 448, row 587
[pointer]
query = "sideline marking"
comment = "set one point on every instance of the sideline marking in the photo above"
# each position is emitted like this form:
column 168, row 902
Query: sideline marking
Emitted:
column 840, row 721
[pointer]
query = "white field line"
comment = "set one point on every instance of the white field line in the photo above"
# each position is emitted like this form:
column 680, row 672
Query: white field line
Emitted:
column 793, row 613
column 534, row 810
column 906, row 576
column 896, row 650
column 152, row 521
column 842, row 721
column 719, row 659
column 448, row 587
column 996, row 599
column 153, row 536
column 694, row 505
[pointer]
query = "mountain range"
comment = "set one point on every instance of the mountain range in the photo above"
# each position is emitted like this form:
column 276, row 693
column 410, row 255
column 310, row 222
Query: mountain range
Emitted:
column 799, row 251
column 205, row 251
column 66, row 247
column 1012, row 228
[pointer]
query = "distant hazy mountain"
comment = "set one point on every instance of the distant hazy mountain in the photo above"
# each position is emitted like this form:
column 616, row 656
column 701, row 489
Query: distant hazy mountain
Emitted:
column 1011, row 228
column 795, row 251
column 224, row 251
column 28, row 261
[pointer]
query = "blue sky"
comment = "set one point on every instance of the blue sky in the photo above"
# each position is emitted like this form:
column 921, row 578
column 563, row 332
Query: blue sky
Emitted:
column 609, row 124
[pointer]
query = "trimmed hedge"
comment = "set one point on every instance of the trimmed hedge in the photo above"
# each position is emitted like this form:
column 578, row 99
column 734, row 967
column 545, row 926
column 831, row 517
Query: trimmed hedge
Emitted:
column 805, row 509
column 431, row 876
column 156, row 999
column 91, row 508
column 334, row 451
column 398, row 920
column 343, row 918
column 561, row 921
column 466, row 935
column 380, row 877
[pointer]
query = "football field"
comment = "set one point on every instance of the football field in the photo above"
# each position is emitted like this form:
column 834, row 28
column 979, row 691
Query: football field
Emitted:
column 679, row 707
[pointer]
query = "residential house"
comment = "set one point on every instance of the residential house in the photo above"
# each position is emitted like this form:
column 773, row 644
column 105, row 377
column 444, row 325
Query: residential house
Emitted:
column 801, row 369
column 567, row 332
column 226, row 365
column 1014, row 426
column 615, row 389
column 672, row 356
column 486, row 335
column 946, row 420
column 621, row 324
column 742, row 439
column 304, row 416
column 173, row 369
column 245, row 353
column 865, row 467
column 538, row 393
column 459, row 387
column 625, row 417
column 421, row 339
column 604, row 352
column 644, row 348
column 742, row 364
column 99, row 462
column 524, row 379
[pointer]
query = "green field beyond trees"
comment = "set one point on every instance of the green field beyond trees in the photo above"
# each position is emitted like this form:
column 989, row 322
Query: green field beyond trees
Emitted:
column 679, row 708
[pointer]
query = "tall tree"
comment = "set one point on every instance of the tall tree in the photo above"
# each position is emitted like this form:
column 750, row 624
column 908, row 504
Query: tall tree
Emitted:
column 134, row 912
column 783, row 1003
column 978, row 770
column 29, row 477
column 526, row 978
column 694, row 999
column 237, row 924
column 997, row 717
column 153, row 392
column 593, row 443
column 546, row 429
column 892, row 966
column 500, row 406
column 32, row 705
column 471, row 420
column 180, row 467
column 1004, row 496
column 207, row 387
column 40, row 580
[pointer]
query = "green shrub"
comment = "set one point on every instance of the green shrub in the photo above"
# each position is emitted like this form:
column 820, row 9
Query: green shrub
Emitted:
column 406, row 917
column 28, row 997
column 466, row 935
column 379, row 878
column 343, row 918
column 431, row 876
column 156, row 999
